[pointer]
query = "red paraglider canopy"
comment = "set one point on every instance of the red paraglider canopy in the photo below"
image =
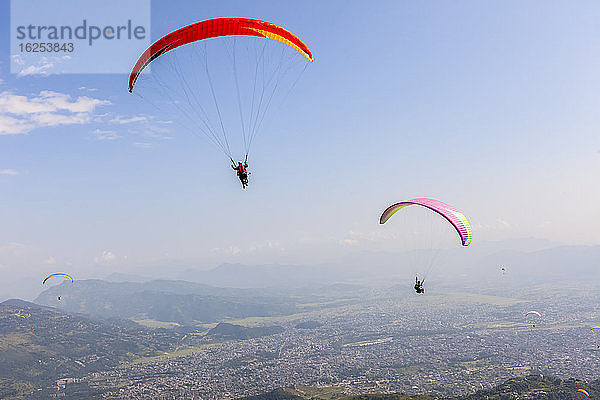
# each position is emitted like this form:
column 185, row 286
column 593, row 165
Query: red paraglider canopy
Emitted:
column 213, row 28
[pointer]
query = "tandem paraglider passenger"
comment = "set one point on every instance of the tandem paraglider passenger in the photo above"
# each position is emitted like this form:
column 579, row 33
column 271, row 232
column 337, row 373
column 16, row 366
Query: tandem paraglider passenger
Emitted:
column 419, row 285
column 242, row 172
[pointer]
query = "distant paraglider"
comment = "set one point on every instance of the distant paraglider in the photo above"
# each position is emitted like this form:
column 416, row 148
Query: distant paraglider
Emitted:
column 584, row 392
column 58, row 275
column 457, row 219
column 539, row 314
column 535, row 315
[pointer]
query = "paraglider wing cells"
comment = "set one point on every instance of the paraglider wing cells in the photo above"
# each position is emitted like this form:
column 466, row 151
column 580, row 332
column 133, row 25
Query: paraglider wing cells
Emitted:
column 214, row 28
column 455, row 217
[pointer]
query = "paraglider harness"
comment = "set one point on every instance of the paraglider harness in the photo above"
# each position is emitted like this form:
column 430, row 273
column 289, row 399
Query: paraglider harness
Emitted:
column 241, row 171
column 419, row 285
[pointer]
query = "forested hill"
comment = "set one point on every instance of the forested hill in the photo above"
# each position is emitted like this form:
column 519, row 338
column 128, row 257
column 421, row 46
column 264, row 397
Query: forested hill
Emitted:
column 39, row 345
column 537, row 387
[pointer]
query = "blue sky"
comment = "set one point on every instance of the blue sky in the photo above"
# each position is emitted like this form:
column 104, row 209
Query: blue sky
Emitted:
column 490, row 106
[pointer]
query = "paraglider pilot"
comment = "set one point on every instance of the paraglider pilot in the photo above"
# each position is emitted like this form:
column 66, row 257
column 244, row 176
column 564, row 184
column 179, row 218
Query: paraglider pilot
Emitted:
column 419, row 285
column 242, row 172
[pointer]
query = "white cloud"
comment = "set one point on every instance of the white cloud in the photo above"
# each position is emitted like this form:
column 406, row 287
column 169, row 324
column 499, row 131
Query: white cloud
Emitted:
column 12, row 246
column 227, row 250
column 269, row 245
column 47, row 101
column 62, row 101
column 498, row 225
column 480, row 227
column 9, row 172
column 145, row 126
column 14, row 126
column 50, row 260
column 17, row 59
column 43, row 66
column 502, row 223
column 36, row 70
column 105, row 135
column 379, row 235
column 21, row 114
column 106, row 258
column 122, row 120
column 52, row 119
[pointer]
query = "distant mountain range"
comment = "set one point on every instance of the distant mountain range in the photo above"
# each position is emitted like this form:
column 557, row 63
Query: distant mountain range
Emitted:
column 235, row 291
column 527, row 259
column 289, row 288
column 181, row 302
column 186, row 303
